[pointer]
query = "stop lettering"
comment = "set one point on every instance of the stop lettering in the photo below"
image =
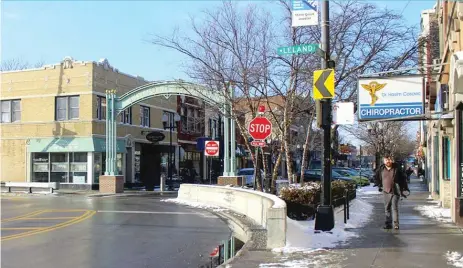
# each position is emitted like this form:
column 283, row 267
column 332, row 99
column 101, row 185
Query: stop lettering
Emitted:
column 260, row 128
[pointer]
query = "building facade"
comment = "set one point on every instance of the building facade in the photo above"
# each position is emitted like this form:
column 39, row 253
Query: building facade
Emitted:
column 53, row 126
column 442, row 139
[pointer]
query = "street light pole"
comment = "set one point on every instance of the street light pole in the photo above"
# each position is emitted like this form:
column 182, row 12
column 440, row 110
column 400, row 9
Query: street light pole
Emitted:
column 170, row 123
column 324, row 219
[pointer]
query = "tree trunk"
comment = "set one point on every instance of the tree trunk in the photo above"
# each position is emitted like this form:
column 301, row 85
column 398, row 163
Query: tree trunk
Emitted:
column 275, row 170
column 257, row 174
column 306, row 147
column 264, row 168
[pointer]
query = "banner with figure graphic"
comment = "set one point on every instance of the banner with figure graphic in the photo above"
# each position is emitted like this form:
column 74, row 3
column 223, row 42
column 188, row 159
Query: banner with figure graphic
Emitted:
column 393, row 97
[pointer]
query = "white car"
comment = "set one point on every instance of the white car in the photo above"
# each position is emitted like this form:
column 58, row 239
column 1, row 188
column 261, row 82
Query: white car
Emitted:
column 248, row 174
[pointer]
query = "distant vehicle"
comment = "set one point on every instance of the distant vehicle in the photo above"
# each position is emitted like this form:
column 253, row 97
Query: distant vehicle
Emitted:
column 354, row 174
column 315, row 164
column 316, row 174
column 248, row 174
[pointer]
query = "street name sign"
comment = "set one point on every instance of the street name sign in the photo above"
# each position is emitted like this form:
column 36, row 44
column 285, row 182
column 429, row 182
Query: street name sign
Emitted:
column 304, row 13
column 298, row 49
column 211, row 148
column 323, row 84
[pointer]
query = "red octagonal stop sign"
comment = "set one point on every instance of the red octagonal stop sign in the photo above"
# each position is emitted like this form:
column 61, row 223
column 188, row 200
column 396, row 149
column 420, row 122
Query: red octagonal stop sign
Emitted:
column 260, row 128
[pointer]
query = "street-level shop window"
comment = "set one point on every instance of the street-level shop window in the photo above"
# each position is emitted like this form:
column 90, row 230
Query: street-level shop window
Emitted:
column 78, row 168
column 101, row 107
column 59, row 167
column 67, row 108
column 99, row 165
column 11, row 111
column 40, row 167
column 145, row 116
column 446, row 157
column 126, row 116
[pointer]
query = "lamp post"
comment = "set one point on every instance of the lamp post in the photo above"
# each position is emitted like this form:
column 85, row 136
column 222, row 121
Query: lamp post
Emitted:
column 168, row 120
column 377, row 131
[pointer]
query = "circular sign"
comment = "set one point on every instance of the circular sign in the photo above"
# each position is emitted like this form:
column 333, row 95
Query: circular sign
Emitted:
column 155, row 136
column 211, row 148
column 260, row 128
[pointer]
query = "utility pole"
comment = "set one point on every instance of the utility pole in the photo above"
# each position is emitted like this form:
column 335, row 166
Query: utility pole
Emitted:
column 324, row 219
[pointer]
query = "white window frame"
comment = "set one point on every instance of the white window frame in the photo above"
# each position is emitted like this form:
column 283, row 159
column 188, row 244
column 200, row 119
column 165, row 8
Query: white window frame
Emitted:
column 143, row 120
column 126, row 116
column 11, row 113
column 67, row 108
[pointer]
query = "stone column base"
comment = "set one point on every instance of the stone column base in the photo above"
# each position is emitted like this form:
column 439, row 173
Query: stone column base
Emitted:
column 233, row 180
column 459, row 211
column 110, row 184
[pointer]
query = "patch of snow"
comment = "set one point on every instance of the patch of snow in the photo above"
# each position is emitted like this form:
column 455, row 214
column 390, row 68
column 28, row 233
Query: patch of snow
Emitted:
column 301, row 237
column 292, row 263
column 368, row 190
column 454, row 258
column 436, row 212
column 194, row 204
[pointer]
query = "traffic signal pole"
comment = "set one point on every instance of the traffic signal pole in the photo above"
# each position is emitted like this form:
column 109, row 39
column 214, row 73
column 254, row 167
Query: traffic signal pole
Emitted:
column 324, row 218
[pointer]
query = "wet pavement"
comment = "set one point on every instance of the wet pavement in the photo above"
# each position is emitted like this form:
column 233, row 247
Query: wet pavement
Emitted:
column 129, row 231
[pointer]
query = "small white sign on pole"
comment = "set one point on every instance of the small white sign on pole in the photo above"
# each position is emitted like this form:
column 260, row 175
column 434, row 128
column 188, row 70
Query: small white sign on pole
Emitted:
column 343, row 113
column 304, row 13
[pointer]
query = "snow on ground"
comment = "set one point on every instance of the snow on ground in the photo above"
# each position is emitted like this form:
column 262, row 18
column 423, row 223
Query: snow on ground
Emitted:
column 193, row 204
column 368, row 190
column 435, row 211
column 454, row 258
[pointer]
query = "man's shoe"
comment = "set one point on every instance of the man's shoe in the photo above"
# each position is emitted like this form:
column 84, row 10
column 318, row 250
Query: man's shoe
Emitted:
column 396, row 227
column 387, row 227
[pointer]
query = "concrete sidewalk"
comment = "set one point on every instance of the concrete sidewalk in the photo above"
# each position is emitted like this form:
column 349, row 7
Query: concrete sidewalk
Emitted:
column 420, row 242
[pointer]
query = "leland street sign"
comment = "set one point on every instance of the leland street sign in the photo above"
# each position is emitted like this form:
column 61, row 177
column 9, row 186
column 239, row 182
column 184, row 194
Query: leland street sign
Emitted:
column 299, row 49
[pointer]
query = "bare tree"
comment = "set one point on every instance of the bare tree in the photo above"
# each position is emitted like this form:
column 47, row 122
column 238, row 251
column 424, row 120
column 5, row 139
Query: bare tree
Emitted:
column 18, row 64
column 385, row 138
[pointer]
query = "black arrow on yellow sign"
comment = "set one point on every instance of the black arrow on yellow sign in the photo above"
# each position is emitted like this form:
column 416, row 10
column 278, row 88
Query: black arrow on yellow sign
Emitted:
column 323, row 84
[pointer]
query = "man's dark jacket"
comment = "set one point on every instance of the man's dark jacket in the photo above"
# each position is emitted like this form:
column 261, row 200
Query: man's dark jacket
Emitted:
column 399, row 177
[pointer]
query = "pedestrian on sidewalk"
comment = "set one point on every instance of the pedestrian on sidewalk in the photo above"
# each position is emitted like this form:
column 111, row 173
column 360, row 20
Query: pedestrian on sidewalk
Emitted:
column 387, row 177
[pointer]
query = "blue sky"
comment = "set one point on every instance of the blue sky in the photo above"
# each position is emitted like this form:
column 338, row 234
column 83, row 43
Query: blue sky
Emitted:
column 89, row 30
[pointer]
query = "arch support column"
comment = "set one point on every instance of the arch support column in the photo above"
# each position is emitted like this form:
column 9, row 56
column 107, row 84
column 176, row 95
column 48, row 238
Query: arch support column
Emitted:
column 111, row 182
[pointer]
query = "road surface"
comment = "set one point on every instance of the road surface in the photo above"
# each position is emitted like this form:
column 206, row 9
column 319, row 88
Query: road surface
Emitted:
column 131, row 231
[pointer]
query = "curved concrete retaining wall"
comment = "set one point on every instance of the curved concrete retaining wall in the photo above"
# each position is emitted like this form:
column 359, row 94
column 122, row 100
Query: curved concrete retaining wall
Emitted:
column 266, row 210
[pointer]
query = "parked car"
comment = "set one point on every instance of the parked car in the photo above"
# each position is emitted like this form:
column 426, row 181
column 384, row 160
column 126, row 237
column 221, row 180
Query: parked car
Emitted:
column 360, row 180
column 248, row 174
column 316, row 174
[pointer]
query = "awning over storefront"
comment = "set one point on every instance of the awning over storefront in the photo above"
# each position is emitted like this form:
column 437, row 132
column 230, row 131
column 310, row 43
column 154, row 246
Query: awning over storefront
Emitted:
column 69, row 144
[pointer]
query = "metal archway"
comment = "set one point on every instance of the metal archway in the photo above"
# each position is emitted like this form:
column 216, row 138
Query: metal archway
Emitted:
column 115, row 105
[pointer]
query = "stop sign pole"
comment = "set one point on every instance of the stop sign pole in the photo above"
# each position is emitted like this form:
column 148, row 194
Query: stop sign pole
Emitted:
column 259, row 129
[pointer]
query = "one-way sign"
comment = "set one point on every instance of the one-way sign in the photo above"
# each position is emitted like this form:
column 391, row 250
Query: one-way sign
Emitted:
column 323, row 84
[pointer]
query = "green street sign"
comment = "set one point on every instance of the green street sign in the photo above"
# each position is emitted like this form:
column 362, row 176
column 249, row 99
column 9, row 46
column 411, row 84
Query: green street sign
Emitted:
column 299, row 49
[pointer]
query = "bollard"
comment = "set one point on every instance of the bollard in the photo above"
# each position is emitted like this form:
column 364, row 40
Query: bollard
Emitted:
column 163, row 183
column 347, row 205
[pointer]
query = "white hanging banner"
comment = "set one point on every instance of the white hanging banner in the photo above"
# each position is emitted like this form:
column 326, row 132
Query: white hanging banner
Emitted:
column 304, row 13
column 343, row 113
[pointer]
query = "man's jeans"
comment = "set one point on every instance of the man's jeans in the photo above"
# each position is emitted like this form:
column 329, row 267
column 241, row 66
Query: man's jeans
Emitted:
column 391, row 202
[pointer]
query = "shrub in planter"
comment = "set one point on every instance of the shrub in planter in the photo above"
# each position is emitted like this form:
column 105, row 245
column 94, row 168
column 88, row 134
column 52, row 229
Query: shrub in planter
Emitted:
column 303, row 199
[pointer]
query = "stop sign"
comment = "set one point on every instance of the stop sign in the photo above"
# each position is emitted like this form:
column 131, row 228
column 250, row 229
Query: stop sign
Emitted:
column 211, row 148
column 260, row 128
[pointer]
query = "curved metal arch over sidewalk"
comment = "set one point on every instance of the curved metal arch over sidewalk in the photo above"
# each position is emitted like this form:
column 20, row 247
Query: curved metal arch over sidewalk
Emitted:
column 116, row 105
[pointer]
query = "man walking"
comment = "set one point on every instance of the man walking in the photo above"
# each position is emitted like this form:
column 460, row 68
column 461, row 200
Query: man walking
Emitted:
column 392, row 181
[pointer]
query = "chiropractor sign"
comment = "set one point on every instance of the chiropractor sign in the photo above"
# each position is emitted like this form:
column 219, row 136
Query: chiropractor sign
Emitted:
column 390, row 98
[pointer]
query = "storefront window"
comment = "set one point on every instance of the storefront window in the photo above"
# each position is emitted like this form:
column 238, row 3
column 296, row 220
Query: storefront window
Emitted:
column 59, row 167
column 97, row 167
column 40, row 167
column 78, row 172
column 446, row 157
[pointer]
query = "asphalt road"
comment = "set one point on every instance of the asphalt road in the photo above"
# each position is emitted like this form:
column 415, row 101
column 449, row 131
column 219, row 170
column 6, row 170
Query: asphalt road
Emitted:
column 78, row 231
